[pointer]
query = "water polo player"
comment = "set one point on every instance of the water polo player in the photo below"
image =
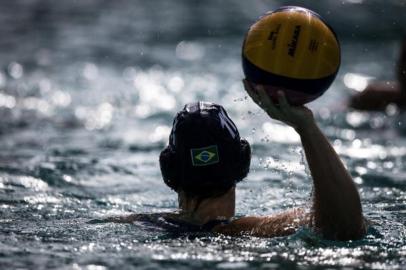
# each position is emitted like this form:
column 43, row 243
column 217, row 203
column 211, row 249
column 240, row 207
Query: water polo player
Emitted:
column 378, row 95
column 206, row 158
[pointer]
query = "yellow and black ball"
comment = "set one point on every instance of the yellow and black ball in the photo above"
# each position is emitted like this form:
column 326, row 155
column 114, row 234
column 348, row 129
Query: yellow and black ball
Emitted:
column 294, row 50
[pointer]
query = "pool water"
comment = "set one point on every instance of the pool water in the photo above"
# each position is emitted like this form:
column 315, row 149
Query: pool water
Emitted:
column 88, row 91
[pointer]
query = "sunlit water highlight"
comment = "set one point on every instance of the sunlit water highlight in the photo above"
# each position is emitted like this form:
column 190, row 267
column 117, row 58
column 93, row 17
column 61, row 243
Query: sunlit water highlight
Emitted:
column 87, row 96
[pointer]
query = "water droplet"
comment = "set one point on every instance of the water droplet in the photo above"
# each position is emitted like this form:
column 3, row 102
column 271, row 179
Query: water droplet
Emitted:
column 15, row 70
column 90, row 71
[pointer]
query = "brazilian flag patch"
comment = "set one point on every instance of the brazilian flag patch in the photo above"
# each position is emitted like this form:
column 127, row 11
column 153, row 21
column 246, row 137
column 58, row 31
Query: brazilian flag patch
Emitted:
column 205, row 156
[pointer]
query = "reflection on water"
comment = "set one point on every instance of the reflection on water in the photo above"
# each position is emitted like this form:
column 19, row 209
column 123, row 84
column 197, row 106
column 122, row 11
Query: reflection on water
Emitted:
column 87, row 95
column 357, row 82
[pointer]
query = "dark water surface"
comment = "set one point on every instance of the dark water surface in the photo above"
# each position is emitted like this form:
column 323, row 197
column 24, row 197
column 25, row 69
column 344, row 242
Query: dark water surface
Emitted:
column 88, row 90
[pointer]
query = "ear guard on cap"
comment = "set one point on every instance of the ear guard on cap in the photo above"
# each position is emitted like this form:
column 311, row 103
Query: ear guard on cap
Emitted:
column 243, row 166
column 168, row 164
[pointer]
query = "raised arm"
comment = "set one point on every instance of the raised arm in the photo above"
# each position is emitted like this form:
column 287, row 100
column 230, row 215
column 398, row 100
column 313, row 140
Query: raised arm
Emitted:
column 336, row 203
column 336, row 211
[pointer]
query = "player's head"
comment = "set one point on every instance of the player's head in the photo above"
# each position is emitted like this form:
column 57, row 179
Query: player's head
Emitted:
column 205, row 156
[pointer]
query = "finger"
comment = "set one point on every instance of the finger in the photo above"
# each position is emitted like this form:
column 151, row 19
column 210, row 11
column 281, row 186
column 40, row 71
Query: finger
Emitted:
column 251, row 92
column 267, row 100
column 249, row 86
column 268, row 105
column 263, row 96
column 254, row 97
column 283, row 102
column 246, row 84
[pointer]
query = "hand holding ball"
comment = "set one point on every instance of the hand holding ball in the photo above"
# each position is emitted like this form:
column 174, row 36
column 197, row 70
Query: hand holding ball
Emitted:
column 298, row 117
column 291, row 49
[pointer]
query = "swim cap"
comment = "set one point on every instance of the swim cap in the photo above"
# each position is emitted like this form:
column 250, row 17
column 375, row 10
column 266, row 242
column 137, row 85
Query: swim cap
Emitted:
column 205, row 156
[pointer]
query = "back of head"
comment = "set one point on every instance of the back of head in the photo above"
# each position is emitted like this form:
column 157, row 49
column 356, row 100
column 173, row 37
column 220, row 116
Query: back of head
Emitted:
column 205, row 156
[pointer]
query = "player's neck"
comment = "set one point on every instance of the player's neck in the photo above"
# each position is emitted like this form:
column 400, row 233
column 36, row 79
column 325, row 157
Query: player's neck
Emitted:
column 203, row 210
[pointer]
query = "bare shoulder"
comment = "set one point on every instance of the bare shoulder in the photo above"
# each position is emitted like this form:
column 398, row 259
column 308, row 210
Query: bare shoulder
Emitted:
column 124, row 219
column 281, row 224
column 131, row 218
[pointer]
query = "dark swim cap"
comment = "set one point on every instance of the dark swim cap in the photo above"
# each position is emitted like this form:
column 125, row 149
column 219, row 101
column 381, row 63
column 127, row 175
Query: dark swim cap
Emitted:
column 205, row 156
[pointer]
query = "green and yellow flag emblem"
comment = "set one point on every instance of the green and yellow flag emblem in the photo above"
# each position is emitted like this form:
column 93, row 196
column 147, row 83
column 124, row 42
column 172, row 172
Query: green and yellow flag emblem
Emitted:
column 205, row 156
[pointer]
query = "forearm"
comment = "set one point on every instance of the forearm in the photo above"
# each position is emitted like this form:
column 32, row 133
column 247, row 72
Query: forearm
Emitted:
column 123, row 219
column 336, row 202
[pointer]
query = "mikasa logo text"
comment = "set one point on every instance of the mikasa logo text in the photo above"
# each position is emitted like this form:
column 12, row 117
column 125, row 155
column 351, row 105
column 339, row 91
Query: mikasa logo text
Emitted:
column 293, row 44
